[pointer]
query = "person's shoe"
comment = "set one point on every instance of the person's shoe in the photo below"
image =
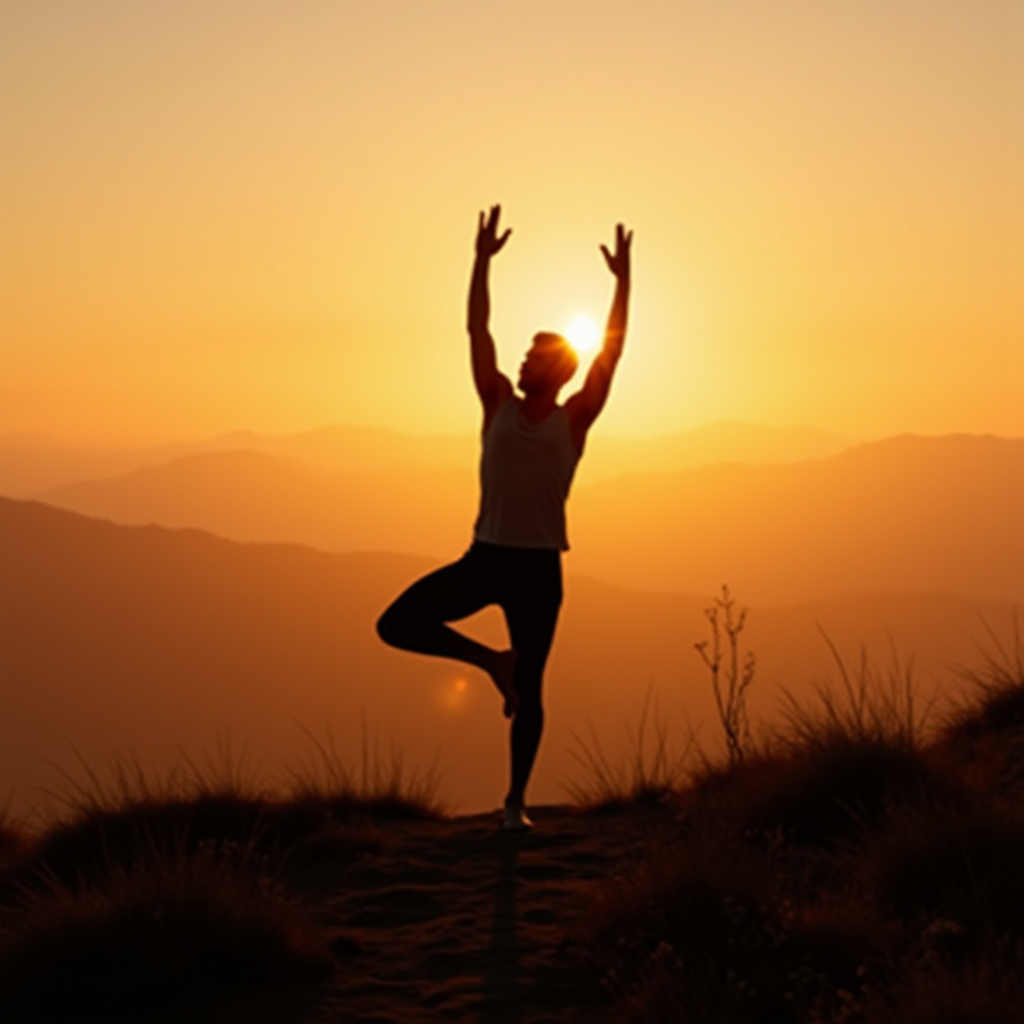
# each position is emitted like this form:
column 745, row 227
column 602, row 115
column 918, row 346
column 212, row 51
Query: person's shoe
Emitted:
column 515, row 819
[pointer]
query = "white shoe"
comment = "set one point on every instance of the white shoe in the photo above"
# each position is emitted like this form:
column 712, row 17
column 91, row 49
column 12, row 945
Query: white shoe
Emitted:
column 515, row 819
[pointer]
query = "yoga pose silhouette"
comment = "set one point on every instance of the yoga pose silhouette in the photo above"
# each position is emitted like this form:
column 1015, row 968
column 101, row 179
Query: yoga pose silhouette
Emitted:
column 531, row 446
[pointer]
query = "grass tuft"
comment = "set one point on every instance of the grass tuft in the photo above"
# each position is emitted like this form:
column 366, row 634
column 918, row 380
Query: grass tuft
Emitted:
column 378, row 788
column 961, row 863
column 869, row 704
column 14, row 839
column 170, row 938
column 650, row 774
column 983, row 735
column 827, row 793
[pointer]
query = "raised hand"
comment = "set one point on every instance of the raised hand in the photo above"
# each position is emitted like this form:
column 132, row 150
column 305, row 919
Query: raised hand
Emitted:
column 618, row 262
column 488, row 241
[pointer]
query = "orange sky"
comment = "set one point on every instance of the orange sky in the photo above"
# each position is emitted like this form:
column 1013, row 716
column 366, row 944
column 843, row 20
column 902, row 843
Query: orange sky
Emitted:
column 219, row 215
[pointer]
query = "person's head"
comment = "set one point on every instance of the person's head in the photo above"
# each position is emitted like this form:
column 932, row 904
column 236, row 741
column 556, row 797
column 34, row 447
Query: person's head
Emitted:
column 549, row 363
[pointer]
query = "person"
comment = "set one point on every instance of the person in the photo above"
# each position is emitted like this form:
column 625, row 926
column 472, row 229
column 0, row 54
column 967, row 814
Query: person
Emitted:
column 530, row 448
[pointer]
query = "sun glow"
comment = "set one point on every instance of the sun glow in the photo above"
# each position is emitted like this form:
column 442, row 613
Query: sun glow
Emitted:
column 582, row 333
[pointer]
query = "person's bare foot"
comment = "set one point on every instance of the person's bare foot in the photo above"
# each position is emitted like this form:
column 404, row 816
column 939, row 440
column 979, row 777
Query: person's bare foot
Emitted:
column 503, row 675
column 515, row 819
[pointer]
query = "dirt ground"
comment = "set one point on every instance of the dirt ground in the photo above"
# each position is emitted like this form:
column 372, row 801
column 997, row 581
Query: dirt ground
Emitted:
column 457, row 921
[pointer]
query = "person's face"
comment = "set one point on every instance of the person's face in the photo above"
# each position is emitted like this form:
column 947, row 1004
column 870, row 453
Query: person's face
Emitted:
column 539, row 371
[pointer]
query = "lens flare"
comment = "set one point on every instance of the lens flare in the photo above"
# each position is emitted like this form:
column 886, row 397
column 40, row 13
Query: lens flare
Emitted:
column 454, row 694
column 582, row 333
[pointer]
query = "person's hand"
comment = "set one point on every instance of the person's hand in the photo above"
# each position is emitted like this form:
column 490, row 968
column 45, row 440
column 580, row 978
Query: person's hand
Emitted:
column 618, row 262
column 488, row 241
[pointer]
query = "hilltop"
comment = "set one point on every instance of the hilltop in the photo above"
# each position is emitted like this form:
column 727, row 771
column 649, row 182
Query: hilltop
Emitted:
column 854, row 865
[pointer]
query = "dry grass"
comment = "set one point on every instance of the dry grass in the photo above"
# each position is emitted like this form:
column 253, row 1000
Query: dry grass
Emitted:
column 14, row 839
column 380, row 787
column 859, row 865
column 652, row 771
column 845, row 870
column 179, row 897
column 982, row 738
column 172, row 937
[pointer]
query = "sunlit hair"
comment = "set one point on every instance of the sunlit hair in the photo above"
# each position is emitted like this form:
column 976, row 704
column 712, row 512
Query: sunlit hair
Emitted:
column 564, row 361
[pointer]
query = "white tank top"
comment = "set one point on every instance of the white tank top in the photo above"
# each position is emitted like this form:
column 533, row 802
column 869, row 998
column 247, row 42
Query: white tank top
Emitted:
column 526, row 470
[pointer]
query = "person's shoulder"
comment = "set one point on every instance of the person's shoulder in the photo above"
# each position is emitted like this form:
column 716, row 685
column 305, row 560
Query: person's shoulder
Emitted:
column 502, row 407
column 508, row 404
column 573, row 406
column 577, row 423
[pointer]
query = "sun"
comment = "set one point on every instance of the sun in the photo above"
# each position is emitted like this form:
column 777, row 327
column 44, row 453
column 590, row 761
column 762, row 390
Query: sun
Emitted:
column 582, row 333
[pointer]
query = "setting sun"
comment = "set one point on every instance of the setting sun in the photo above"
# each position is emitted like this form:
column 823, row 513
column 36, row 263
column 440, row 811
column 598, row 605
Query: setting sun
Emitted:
column 582, row 333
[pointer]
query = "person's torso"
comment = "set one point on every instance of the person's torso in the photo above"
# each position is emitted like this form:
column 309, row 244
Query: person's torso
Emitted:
column 526, row 470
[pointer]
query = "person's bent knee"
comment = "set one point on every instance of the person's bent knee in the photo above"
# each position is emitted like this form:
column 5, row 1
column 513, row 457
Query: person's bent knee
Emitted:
column 389, row 628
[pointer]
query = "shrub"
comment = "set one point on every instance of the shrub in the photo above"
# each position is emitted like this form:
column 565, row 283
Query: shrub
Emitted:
column 170, row 938
column 91, row 844
column 841, row 759
column 729, row 687
column 960, row 863
column 987, row 990
column 828, row 792
column 695, row 935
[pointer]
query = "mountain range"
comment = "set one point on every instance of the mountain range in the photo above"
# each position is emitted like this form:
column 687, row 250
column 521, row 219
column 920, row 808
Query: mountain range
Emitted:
column 907, row 513
column 30, row 465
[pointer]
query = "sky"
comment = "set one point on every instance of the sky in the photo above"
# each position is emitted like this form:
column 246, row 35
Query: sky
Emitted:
column 221, row 215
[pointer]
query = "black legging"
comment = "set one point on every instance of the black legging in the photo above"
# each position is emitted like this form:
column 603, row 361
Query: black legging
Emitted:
column 526, row 583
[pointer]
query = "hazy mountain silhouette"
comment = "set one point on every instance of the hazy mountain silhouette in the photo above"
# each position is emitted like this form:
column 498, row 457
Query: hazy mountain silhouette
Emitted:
column 905, row 514
column 251, row 496
column 30, row 465
column 728, row 441
column 153, row 640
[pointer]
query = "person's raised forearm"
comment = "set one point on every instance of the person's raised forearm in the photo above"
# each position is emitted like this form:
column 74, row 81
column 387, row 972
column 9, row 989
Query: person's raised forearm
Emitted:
column 482, row 352
column 615, row 332
column 585, row 406
column 479, row 296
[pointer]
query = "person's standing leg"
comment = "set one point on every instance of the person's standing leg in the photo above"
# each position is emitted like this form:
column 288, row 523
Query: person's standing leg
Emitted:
column 531, row 604
column 417, row 620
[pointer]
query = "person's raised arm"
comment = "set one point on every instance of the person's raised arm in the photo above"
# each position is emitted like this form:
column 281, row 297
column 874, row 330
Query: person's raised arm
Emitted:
column 585, row 406
column 492, row 386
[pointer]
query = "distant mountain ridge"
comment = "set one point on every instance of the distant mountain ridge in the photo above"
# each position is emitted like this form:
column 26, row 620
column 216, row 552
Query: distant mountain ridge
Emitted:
column 906, row 513
column 252, row 496
column 903, row 514
column 30, row 466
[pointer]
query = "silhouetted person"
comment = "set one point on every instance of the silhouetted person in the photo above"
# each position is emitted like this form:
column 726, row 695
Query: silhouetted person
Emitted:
column 531, row 446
